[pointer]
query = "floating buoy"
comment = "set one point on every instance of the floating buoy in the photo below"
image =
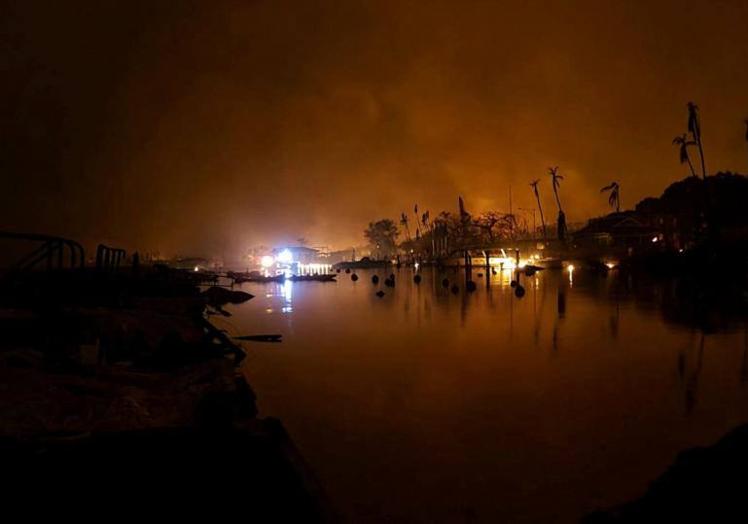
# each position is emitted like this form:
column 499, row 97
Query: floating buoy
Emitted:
column 519, row 291
column 513, row 283
column 470, row 286
column 338, row 270
column 445, row 283
column 455, row 289
column 380, row 293
column 392, row 277
column 417, row 279
column 347, row 270
column 375, row 280
column 354, row 277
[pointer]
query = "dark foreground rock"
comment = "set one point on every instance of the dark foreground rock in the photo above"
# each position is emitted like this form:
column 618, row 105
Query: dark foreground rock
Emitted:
column 118, row 397
column 703, row 485
column 250, row 471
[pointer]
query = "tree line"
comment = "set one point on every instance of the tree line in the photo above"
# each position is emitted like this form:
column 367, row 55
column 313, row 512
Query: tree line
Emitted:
column 449, row 232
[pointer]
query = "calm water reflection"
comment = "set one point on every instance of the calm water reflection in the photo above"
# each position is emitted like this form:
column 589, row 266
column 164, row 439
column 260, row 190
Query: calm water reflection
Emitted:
column 428, row 406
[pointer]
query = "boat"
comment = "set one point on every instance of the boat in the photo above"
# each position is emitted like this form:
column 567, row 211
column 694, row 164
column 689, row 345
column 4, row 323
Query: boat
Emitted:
column 329, row 277
column 259, row 279
column 240, row 278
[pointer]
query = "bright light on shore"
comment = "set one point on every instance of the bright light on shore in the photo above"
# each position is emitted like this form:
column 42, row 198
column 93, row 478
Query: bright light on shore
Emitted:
column 267, row 261
column 570, row 268
column 506, row 263
column 312, row 269
column 285, row 257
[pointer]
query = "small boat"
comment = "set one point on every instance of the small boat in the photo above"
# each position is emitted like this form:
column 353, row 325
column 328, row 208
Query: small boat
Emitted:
column 259, row 278
column 313, row 278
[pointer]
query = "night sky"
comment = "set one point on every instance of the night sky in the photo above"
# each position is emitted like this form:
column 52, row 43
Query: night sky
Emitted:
column 200, row 127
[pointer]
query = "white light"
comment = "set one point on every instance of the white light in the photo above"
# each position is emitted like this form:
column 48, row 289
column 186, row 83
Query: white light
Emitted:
column 507, row 263
column 196, row 269
column 267, row 261
column 570, row 267
column 285, row 256
column 311, row 269
column 610, row 265
column 416, row 265
column 654, row 239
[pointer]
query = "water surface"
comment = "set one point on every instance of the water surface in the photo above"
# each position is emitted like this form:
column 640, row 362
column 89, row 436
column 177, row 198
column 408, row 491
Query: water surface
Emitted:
column 426, row 406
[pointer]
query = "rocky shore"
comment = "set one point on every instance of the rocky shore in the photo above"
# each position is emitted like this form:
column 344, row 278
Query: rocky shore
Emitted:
column 116, row 383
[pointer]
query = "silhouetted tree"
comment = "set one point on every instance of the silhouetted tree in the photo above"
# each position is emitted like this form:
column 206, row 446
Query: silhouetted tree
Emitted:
column 487, row 223
column 382, row 236
column 694, row 127
column 466, row 221
column 534, row 185
column 683, row 144
column 404, row 223
column 418, row 228
column 614, row 199
column 556, row 182
column 495, row 225
column 428, row 226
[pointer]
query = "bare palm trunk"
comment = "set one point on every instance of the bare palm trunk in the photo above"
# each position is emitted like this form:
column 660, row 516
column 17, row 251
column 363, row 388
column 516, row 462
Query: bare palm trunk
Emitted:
column 542, row 218
column 558, row 201
column 701, row 154
column 690, row 165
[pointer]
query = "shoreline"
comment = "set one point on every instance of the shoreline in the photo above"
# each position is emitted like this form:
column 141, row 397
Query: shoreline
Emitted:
column 119, row 372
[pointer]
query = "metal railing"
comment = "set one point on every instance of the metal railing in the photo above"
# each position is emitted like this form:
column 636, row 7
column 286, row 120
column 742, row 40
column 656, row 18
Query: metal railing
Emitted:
column 51, row 254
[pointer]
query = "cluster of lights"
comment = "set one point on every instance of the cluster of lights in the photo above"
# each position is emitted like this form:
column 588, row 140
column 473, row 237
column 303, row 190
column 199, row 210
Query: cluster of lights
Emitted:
column 284, row 257
column 507, row 263
column 312, row 269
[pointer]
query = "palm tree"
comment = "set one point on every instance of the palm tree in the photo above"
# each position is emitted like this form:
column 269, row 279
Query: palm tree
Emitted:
column 683, row 143
column 534, row 185
column 615, row 195
column 561, row 221
column 418, row 227
column 404, row 223
column 556, row 180
column 694, row 127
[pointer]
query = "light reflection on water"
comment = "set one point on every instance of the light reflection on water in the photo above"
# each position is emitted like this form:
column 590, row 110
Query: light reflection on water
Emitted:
column 432, row 406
